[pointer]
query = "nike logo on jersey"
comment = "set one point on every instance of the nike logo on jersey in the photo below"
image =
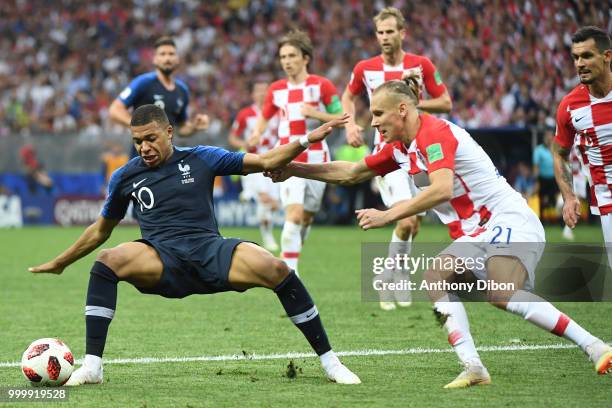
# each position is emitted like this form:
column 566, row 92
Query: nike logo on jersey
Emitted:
column 579, row 119
column 135, row 185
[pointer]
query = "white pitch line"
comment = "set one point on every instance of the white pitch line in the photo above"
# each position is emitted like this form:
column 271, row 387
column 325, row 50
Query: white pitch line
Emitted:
column 293, row 355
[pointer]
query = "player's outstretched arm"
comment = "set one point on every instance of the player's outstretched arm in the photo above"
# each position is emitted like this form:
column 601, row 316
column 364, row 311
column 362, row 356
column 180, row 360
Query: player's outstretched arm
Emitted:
column 335, row 172
column 563, row 175
column 439, row 191
column 119, row 113
column 93, row 236
column 281, row 155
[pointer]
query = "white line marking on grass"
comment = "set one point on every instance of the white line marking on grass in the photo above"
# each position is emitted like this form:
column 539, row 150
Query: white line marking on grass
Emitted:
column 363, row 353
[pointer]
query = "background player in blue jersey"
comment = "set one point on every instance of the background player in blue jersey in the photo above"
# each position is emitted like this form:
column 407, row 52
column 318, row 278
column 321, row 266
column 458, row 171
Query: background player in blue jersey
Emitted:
column 181, row 251
column 162, row 89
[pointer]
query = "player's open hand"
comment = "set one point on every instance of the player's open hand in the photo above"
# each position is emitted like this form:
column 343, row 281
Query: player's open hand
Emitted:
column 571, row 211
column 201, row 121
column 278, row 175
column 354, row 136
column 49, row 267
column 370, row 218
column 325, row 129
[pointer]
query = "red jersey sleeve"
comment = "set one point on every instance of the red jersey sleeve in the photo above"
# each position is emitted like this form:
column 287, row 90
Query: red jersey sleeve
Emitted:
column 355, row 85
column 382, row 162
column 269, row 109
column 565, row 133
column 328, row 91
column 432, row 79
column 438, row 145
column 239, row 124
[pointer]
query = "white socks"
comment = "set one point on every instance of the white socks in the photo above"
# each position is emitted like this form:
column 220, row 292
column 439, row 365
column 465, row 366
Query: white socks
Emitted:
column 291, row 244
column 544, row 315
column 458, row 329
column 397, row 246
column 266, row 226
column 93, row 363
column 329, row 359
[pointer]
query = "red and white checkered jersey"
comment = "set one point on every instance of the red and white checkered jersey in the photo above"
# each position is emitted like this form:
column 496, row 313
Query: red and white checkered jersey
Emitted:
column 287, row 99
column 479, row 190
column 588, row 120
column 371, row 73
column 244, row 124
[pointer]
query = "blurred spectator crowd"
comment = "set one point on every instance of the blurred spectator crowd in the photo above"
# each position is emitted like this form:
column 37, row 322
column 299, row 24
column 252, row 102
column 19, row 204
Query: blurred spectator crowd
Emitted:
column 62, row 62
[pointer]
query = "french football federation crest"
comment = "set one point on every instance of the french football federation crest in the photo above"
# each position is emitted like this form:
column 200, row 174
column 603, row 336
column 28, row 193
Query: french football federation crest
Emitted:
column 185, row 170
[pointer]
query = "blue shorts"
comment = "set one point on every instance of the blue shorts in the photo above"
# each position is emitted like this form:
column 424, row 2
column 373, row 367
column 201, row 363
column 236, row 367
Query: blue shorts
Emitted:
column 193, row 265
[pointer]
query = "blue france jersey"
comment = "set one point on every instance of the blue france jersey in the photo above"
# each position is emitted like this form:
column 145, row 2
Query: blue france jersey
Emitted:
column 146, row 89
column 176, row 198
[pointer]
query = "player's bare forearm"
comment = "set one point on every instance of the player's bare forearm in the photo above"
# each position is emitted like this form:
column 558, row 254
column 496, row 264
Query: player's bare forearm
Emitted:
column 324, row 116
column 372, row 218
column 93, row 236
column 439, row 191
column 278, row 157
column 441, row 104
column 353, row 131
column 348, row 104
column 335, row 172
column 282, row 155
column 119, row 113
column 425, row 200
column 563, row 172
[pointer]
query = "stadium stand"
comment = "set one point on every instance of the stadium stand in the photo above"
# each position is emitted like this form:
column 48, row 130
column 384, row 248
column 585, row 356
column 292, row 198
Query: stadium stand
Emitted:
column 62, row 63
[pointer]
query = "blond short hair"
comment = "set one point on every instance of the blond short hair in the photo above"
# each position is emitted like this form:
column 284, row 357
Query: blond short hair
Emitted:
column 388, row 12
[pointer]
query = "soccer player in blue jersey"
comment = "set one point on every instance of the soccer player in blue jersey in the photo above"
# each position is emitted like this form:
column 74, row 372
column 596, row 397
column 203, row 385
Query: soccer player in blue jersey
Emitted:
column 181, row 251
column 162, row 89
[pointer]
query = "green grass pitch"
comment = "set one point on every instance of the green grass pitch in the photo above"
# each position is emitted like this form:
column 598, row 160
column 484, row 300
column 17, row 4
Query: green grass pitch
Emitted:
column 254, row 323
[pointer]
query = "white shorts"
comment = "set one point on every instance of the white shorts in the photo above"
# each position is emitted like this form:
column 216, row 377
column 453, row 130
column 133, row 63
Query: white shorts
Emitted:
column 606, row 226
column 395, row 186
column 308, row 193
column 255, row 184
column 515, row 232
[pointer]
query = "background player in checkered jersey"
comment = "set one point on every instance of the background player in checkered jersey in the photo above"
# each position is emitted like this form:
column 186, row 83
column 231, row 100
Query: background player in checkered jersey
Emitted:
column 303, row 101
column 585, row 116
column 394, row 63
column 255, row 185
column 488, row 219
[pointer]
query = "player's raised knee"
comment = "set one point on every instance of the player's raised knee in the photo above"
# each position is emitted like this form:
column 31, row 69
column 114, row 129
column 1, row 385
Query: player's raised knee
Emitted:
column 115, row 259
column 278, row 271
column 108, row 257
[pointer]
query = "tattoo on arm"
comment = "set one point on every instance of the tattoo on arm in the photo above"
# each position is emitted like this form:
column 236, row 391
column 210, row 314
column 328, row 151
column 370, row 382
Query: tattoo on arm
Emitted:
column 566, row 174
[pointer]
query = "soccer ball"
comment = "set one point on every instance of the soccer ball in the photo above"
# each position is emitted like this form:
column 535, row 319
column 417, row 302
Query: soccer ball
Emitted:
column 47, row 362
